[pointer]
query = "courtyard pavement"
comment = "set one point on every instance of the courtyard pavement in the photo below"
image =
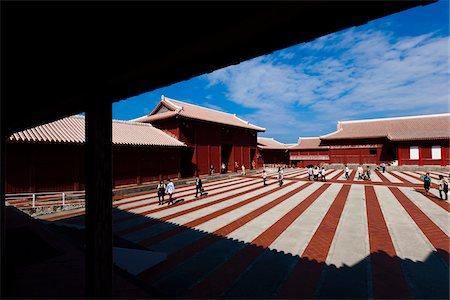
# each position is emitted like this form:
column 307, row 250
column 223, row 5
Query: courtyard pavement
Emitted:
column 383, row 238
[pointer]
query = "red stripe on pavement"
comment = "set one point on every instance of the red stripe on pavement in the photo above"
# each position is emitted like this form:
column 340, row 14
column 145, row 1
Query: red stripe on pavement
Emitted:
column 201, row 244
column 186, row 211
column 167, row 234
column 433, row 185
column 303, row 280
column 399, row 178
column 443, row 204
column 387, row 276
column 382, row 177
column 68, row 215
column 183, row 193
column 217, row 282
column 434, row 176
column 337, row 175
column 434, row 234
column 147, row 212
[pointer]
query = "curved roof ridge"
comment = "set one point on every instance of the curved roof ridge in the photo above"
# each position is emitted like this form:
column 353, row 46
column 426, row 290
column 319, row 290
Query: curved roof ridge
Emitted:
column 395, row 118
column 248, row 122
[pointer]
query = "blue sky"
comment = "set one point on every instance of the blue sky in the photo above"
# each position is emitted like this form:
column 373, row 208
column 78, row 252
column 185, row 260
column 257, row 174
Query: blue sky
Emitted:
column 393, row 66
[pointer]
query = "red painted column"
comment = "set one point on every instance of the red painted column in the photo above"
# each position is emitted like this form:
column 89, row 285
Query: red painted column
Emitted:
column 209, row 157
column 420, row 156
column 442, row 155
column 399, row 155
column 242, row 156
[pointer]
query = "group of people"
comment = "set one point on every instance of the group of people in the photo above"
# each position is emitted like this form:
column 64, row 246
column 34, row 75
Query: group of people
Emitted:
column 223, row 168
column 163, row 189
column 315, row 172
column 442, row 185
column 280, row 176
column 363, row 174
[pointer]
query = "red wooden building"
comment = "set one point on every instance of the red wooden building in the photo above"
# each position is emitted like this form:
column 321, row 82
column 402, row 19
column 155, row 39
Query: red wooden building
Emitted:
column 271, row 151
column 211, row 136
column 308, row 151
column 51, row 157
column 416, row 140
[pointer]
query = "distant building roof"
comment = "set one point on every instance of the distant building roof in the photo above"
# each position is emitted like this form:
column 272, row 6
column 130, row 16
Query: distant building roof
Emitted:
column 308, row 143
column 270, row 143
column 169, row 108
column 71, row 130
column 425, row 127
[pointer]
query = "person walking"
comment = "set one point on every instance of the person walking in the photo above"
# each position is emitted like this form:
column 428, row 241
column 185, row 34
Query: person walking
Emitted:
column 360, row 172
column 383, row 167
column 198, row 186
column 310, row 173
column 426, row 182
column 280, row 178
column 211, row 170
column 264, row 177
column 224, row 168
column 170, row 189
column 316, row 173
column 253, row 164
column 322, row 174
column 243, row 170
column 161, row 190
column 368, row 171
column 236, row 166
column 347, row 172
column 443, row 187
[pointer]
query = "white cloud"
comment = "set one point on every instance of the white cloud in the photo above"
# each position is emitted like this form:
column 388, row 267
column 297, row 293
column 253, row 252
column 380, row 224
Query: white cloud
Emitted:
column 212, row 106
column 348, row 75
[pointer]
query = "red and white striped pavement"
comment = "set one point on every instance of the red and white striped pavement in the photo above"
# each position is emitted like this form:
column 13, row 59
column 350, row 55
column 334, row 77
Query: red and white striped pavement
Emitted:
column 383, row 238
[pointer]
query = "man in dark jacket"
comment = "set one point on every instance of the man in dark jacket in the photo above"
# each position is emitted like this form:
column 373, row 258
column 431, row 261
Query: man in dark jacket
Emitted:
column 198, row 186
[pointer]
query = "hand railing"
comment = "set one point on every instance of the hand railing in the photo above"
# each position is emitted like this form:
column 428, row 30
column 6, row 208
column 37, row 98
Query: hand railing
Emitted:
column 22, row 199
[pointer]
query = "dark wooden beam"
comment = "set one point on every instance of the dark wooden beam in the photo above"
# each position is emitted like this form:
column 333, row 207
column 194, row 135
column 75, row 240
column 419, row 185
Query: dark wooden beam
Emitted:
column 3, row 274
column 99, row 238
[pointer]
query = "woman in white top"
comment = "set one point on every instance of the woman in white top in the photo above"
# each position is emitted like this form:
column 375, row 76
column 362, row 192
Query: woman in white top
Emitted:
column 170, row 189
column 360, row 172
column 316, row 173
column 280, row 178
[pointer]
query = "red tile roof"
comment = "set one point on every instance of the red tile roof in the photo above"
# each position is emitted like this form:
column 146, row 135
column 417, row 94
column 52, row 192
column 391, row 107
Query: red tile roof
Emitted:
column 174, row 108
column 71, row 130
column 425, row 127
column 308, row 143
column 270, row 143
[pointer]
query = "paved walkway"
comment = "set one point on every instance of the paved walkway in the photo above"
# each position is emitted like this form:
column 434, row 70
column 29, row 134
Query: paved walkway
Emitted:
column 337, row 239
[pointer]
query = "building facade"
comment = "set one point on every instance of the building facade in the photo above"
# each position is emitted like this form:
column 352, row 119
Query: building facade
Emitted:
column 212, row 137
column 308, row 152
column 271, row 152
column 51, row 157
column 417, row 140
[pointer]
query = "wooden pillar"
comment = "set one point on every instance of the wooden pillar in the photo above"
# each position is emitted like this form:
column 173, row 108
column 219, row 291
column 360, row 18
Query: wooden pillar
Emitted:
column 399, row 155
column 4, row 261
column 242, row 156
column 443, row 155
column 420, row 156
column 33, row 170
column 209, row 157
column 98, row 232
